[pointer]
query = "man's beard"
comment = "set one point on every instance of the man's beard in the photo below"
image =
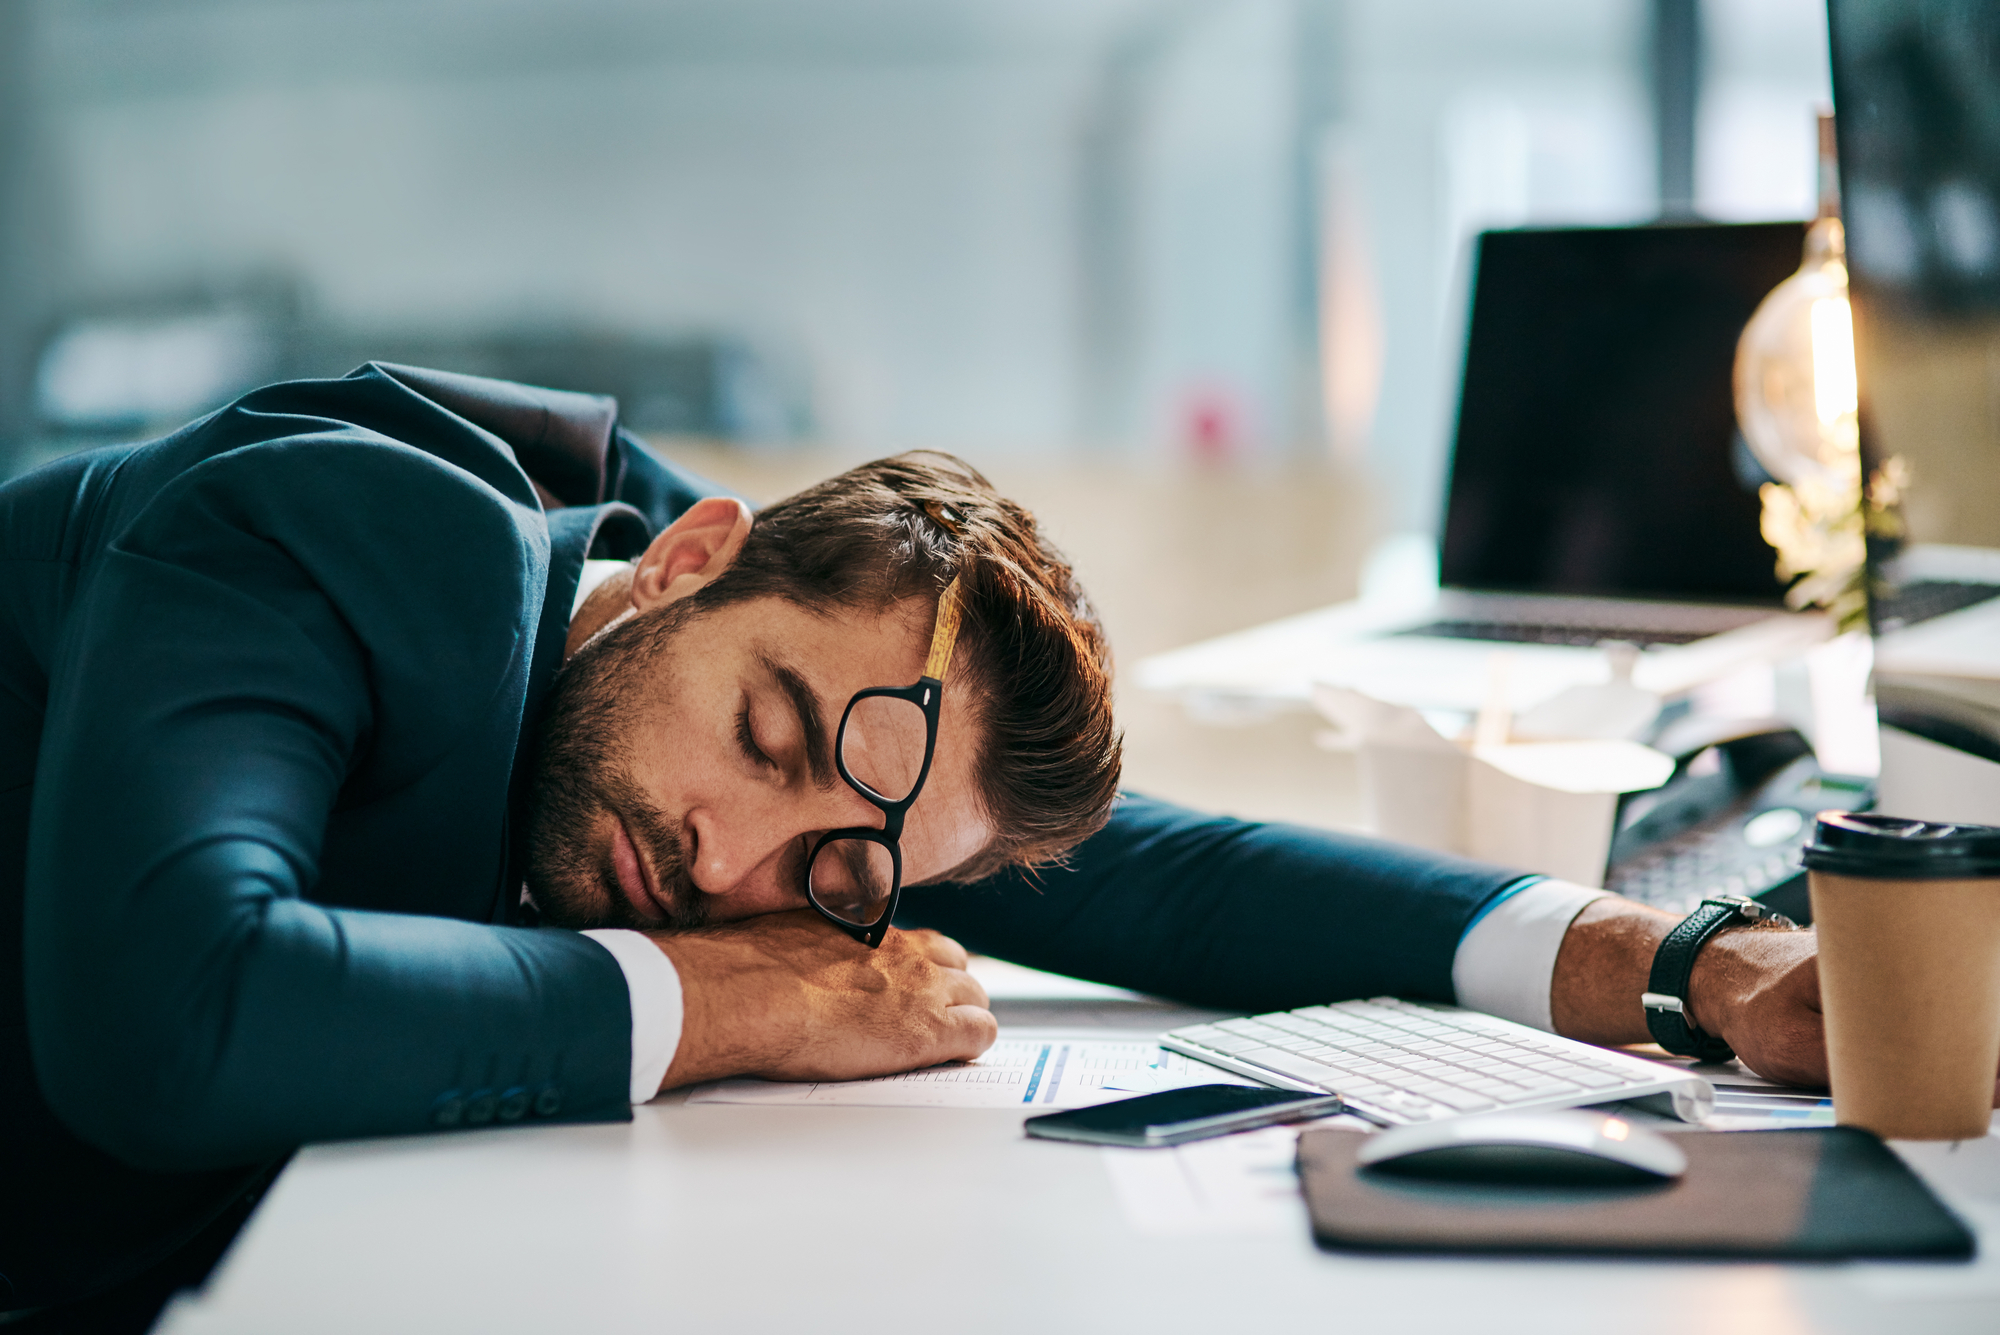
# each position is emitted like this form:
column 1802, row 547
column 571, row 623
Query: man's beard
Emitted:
column 582, row 776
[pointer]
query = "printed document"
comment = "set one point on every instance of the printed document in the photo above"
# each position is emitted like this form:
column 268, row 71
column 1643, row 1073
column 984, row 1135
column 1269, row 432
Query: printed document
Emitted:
column 1039, row 1069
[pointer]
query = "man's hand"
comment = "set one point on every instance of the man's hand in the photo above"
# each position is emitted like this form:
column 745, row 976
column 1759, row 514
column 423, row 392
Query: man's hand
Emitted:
column 1757, row 988
column 788, row 996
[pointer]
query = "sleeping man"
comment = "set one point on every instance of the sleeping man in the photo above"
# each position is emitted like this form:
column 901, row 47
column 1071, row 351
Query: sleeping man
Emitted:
column 410, row 752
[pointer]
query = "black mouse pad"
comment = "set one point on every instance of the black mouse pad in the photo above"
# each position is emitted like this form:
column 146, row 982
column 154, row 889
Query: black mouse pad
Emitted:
column 1824, row 1194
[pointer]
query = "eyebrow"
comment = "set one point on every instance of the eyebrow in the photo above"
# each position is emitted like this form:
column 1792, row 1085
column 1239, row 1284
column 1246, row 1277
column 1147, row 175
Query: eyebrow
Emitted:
column 819, row 748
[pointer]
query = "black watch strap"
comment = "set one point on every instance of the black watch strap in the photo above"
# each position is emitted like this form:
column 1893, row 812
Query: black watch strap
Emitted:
column 1665, row 998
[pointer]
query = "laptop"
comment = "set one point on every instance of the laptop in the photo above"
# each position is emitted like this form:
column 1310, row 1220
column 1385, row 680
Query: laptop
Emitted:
column 1598, row 489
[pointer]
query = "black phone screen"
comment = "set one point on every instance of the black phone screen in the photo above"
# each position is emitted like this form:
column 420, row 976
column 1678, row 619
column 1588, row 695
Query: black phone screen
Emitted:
column 1159, row 1114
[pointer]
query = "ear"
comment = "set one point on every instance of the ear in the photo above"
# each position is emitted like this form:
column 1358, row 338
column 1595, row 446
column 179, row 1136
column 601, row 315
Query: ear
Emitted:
column 690, row 552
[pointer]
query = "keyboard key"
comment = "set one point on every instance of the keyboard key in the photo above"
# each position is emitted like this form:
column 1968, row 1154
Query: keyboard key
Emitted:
column 1382, row 1069
column 1231, row 1043
column 1292, row 1024
column 1333, row 1057
column 1320, row 1013
column 1464, row 1101
column 1293, row 1043
column 1498, row 1089
column 1285, row 1063
column 1545, row 1084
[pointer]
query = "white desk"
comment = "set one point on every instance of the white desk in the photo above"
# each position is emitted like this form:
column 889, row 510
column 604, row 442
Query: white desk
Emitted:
column 718, row 1218
column 1275, row 665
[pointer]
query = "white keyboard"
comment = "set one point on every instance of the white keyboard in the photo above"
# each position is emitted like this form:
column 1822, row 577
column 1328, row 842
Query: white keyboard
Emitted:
column 1396, row 1061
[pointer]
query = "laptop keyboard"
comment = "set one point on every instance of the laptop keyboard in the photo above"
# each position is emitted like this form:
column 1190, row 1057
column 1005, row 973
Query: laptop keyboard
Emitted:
column 1584, row 637
column 1924, row 599
column 1398, row 1061
column 1907, row 606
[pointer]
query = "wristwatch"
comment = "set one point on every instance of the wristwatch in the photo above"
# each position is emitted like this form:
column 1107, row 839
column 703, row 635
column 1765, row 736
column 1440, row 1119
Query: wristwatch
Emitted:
column 1666, row 998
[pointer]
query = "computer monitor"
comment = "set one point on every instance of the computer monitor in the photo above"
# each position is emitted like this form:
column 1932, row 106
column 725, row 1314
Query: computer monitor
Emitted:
column 1917, row 92
column 1916, row 88
column 1596, row 451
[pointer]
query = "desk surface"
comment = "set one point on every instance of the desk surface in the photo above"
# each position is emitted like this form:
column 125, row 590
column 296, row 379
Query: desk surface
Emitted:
column 714, row 1218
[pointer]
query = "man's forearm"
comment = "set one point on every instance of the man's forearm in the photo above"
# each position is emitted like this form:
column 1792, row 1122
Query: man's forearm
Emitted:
column 1755, row 987
column 788, row 997
column 1602, row 968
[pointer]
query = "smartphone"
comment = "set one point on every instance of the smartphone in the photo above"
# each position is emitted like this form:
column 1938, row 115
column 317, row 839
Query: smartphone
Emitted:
column 1176, row 1115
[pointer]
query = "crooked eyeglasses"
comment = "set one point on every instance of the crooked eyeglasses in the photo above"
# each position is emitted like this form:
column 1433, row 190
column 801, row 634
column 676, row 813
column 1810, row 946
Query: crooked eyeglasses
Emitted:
column 887, row 738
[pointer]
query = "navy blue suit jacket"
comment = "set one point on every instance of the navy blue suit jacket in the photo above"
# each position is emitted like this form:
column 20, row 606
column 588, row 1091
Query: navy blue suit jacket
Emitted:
column 268, row 689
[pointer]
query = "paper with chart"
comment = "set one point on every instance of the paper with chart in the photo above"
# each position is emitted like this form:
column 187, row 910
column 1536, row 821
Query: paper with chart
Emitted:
column 1026, row 1068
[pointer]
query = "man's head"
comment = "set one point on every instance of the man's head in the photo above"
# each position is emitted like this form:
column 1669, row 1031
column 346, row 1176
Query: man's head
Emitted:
column 686, row 765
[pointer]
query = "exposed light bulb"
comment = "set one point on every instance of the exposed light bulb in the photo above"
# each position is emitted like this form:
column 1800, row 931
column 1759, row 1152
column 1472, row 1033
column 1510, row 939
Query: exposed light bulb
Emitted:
column 1795, row 380
column 1796, row 404
column 1833, row 360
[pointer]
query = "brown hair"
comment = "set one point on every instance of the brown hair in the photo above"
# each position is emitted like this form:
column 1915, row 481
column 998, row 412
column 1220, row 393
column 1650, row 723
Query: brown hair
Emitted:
column 1029, row 646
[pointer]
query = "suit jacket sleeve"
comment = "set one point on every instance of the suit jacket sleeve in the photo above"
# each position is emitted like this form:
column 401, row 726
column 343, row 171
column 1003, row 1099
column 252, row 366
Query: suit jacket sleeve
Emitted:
column 189, row 1007
column 1227, row 913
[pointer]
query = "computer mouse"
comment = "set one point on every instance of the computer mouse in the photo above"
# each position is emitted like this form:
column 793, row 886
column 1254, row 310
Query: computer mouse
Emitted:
column 1528, row 1149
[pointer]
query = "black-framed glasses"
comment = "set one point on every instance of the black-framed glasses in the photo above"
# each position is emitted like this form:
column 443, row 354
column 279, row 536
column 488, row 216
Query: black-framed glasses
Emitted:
column 887, row 738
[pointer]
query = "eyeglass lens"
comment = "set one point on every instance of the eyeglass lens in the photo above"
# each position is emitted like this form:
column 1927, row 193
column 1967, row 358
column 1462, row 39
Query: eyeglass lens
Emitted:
column 882, row 747
column 852, row 879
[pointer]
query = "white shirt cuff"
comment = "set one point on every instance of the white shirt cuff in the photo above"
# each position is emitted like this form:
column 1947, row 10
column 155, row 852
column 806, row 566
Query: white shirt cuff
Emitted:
column 654, row 986
column 1506, row 960
column 594, row 574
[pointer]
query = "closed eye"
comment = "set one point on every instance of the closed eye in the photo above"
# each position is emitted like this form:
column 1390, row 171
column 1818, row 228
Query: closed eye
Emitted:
column 746, row 741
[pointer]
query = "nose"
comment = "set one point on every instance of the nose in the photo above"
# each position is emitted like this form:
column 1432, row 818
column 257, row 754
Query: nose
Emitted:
column 750, row 862
column 741, row 869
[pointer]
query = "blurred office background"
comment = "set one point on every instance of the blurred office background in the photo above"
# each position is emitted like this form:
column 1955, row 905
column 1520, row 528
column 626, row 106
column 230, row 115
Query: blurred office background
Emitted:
column 1187, row 274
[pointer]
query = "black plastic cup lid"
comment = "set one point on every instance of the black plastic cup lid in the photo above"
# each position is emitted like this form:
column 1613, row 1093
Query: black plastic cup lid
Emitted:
column 1849, row 843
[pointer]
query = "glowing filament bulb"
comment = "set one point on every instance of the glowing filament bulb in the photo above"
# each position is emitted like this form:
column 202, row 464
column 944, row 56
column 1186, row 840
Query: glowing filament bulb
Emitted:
column 1795, row 379
column 1833, row 359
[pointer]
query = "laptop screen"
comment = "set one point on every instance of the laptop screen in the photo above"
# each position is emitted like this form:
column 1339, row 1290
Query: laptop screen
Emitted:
column 1597, row 451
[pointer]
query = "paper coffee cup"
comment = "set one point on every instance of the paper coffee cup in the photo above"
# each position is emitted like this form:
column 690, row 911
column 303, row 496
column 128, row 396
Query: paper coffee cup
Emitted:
column 1908, row 917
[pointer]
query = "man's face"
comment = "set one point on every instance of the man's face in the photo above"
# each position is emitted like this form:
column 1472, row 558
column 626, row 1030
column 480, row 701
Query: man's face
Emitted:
column 687, row 768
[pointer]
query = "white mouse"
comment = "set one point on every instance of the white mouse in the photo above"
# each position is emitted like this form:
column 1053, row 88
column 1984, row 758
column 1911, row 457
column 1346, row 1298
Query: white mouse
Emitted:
column 1530, row 1148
